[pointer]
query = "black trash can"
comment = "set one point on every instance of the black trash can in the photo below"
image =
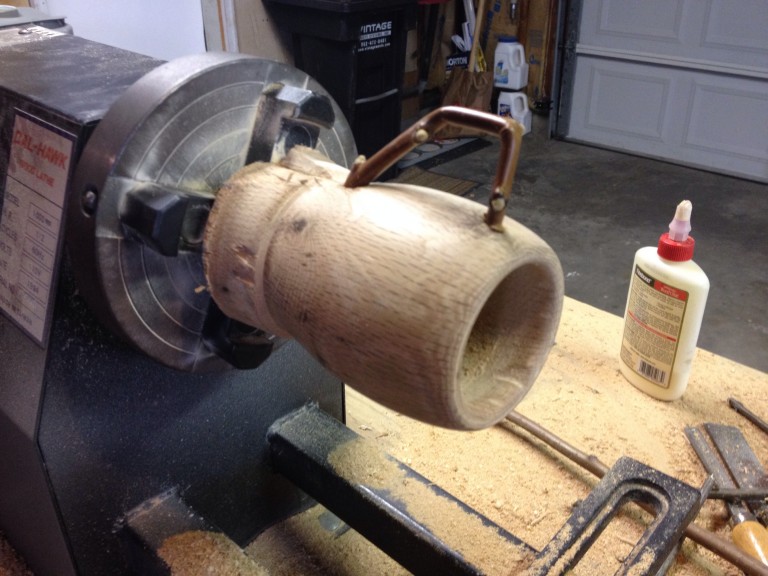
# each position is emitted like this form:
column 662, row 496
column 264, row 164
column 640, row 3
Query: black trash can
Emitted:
column 356, row 50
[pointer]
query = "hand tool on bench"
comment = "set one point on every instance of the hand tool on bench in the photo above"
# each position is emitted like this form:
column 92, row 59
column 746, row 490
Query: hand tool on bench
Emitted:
column 743, row 464
column 594, row 465
column 748, row 534
column 748, row 414
column 735, row 494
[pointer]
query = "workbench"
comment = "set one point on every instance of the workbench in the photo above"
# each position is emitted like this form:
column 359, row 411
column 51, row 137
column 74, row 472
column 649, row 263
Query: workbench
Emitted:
column 526, row 487
column 517, row 481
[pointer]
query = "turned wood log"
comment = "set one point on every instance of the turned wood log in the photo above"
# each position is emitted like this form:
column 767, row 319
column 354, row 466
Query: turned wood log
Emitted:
column 401, row 291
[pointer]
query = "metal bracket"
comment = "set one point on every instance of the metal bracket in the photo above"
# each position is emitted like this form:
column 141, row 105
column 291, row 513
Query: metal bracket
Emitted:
column 287, row 116
column 675, row 504
column 165, row 219
column 244, row 347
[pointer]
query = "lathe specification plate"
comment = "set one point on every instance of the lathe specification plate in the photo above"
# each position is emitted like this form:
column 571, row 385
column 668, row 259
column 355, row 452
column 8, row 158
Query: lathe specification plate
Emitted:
column 30, row 223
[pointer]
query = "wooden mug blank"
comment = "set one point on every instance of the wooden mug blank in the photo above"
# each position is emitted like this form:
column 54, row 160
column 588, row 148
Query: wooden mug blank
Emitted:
column 402, row 291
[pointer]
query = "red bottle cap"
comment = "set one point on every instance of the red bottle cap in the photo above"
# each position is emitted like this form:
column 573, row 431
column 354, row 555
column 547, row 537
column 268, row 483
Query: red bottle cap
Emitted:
column 675, row 251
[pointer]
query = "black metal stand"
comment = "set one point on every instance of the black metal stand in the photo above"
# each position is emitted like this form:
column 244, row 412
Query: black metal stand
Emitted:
column 313, row 450
column 328, row 461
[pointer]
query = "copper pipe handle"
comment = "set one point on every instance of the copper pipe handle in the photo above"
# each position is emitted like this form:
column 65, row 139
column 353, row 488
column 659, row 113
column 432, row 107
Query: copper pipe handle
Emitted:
column 509, row 132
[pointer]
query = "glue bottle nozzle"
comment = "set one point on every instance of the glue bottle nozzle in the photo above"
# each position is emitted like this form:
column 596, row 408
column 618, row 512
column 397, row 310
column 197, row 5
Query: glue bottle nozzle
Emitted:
column 681, row 223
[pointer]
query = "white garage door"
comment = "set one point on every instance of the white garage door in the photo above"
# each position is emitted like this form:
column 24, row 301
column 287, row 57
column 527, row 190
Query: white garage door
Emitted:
column 681, row 80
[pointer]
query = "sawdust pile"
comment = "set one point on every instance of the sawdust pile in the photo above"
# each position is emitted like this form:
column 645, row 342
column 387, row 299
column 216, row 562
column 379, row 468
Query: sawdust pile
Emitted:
column 530, row 490
column 197, row 553
column 361, row 461
column 304, row 546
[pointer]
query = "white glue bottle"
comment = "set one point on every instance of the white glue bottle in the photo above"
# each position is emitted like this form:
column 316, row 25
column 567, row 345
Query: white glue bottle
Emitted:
column 667, row 295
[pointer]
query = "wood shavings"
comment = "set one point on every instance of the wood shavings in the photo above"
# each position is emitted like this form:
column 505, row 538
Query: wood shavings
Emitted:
column 198, row 553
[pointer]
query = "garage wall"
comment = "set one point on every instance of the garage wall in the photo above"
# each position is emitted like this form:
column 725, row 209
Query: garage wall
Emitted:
column 169, row 29
column 163, row 29
column 680, row 80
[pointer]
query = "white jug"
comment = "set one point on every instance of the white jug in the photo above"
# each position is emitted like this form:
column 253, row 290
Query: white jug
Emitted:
column 515, row 105
column 510, row 70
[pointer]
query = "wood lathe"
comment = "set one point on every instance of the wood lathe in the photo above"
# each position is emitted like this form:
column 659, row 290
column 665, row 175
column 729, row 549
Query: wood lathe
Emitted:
column 188, row 272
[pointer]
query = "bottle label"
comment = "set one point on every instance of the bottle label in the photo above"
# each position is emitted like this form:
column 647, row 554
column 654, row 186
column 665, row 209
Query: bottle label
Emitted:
column 501, row 73
column 654, row 319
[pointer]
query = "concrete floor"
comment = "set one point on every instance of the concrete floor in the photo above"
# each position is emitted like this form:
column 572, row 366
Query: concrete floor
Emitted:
column 597, row 207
